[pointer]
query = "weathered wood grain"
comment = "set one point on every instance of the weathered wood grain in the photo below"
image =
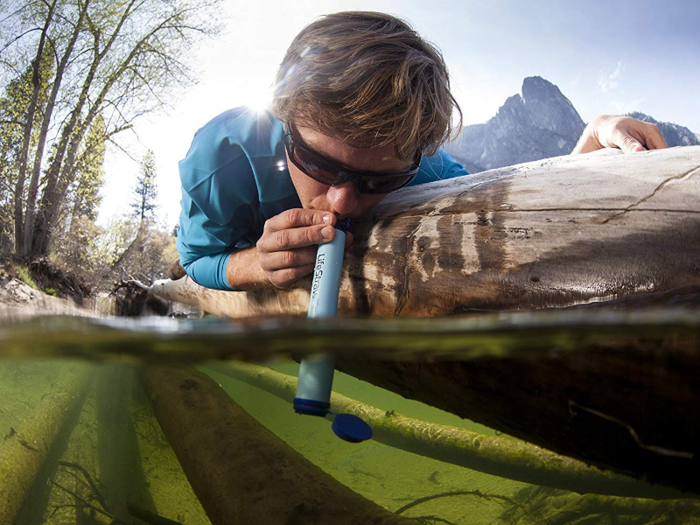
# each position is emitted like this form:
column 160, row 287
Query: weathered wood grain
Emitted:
column 552, row 233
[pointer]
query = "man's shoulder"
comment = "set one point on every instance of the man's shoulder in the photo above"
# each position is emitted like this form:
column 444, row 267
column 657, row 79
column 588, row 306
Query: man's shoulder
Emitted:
column 438, row 167
column 239, row 154
column 252, row 129
column 240, row 116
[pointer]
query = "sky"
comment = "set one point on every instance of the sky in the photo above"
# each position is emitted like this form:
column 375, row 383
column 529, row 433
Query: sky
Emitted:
column 607, row 57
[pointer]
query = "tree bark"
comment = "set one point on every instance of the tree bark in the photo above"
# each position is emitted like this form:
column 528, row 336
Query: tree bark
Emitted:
column 25, row 247
column 240, row 471
column 29, row 128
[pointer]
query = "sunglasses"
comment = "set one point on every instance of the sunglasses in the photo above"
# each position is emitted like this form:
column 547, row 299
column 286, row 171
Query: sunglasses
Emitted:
column 327, row 172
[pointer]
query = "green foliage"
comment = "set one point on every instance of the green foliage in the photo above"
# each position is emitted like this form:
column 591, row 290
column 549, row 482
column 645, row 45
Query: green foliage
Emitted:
column 21, row 273
column 50, row 291
column 13, row 115
column 89, row 171
column 125, row 249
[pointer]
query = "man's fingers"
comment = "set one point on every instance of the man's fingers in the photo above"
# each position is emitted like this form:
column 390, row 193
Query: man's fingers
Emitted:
column 655, row 140
column 296, row 238
column 628, row 134
column 631, row 145
column 297, row 218
column 640, row 136
column 288, row 259
column 349, row 239
column 285, row 278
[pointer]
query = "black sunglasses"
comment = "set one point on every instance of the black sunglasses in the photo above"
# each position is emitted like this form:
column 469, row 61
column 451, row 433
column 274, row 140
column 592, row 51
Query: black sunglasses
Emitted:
column 328, row 172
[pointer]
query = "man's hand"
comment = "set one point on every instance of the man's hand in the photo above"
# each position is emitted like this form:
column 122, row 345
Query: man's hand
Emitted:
column 287, row 248
column 625, row 133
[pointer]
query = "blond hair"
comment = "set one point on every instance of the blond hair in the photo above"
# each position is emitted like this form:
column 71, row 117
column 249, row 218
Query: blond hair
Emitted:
column 369, row 80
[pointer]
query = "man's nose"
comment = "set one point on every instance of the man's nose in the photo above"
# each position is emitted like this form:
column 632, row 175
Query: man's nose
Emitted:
column 343, row 198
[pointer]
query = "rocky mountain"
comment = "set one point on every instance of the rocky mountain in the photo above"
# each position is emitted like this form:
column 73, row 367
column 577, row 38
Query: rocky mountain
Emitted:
column 537, row 124
column 674, row 135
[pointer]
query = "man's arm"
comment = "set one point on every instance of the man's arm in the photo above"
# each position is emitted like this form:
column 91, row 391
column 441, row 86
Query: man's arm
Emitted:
column 243, row 270
column 626, row 133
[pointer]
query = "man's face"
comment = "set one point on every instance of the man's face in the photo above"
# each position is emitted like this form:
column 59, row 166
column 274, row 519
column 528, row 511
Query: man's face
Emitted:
column 344, row 200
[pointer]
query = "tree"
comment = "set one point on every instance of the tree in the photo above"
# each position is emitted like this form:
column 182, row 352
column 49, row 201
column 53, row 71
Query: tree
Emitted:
column 146, row 191
column 89, row 174
column 76, row 248
column 110, row 60
column 20, row 93
column 136, row 250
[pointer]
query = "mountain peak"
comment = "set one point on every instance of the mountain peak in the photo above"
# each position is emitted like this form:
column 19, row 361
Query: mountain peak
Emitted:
column 535, row 87
column 538, row 124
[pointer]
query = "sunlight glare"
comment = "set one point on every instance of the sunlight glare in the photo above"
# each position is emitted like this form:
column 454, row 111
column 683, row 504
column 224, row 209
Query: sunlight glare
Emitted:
column 259, row 100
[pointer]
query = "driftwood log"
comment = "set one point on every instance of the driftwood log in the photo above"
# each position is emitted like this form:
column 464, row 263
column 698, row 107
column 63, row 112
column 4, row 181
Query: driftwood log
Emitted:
column 550, row 233
column 240, row 471
column 498, row 456
column 554, row 233
column 24, row 449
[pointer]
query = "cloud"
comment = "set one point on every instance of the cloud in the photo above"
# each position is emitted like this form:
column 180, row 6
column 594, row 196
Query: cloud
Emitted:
column 622, row 107
column 611, row 87
column 608, row 83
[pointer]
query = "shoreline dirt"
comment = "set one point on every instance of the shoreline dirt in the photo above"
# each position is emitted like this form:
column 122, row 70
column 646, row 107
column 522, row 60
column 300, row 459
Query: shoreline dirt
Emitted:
column 20, row 299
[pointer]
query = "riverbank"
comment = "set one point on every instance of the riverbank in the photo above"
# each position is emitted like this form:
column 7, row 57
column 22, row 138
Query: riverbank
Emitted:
column 18, row 298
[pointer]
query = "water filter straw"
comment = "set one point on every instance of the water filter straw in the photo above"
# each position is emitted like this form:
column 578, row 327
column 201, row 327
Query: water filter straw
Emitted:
column 316, row 374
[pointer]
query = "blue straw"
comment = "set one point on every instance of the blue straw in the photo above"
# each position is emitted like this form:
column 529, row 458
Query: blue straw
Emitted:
column 313, row 393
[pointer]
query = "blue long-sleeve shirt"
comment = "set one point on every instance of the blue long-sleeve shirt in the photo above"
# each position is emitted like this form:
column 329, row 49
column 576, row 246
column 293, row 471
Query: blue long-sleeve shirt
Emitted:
column 234, row 178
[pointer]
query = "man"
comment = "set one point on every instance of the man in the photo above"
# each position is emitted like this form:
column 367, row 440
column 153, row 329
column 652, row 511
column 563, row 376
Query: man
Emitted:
column 361, row 106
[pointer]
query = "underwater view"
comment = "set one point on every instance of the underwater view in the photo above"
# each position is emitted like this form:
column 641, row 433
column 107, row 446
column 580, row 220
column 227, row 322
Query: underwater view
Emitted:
column 190, row 421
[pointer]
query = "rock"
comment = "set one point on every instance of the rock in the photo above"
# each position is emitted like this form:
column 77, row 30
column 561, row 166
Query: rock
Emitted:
column 19, row 299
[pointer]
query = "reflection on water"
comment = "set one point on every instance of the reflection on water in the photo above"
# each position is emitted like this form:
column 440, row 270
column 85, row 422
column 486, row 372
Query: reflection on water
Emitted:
column 493, row 335
column 80, row 442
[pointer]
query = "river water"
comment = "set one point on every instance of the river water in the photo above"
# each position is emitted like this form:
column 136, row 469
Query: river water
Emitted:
column 80, row 442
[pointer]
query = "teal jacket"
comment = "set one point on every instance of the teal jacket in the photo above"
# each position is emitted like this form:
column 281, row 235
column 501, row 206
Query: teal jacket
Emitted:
column 234, row 178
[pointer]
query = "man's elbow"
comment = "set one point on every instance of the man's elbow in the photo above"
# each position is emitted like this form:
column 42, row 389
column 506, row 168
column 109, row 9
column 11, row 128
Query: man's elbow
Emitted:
column 208, row 271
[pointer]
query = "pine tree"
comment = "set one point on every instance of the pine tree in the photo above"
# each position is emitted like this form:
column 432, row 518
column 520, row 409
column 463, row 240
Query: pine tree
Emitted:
column 144, row 205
